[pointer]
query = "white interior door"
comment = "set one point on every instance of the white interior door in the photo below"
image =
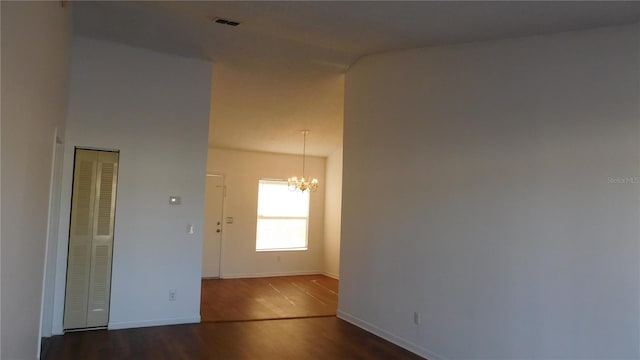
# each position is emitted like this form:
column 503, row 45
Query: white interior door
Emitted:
column 212, row 232
column 91, row 239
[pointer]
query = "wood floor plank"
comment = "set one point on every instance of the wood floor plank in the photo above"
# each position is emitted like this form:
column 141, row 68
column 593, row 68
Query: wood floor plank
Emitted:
column 268, row 298
column 311, row 338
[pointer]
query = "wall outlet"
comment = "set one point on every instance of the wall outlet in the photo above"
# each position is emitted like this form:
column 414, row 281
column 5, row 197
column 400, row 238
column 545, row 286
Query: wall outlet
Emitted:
column 172, row 295
column 417, row 318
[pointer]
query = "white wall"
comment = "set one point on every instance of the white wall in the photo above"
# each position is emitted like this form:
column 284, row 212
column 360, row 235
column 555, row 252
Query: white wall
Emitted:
column 242, row 170
column 35, row 68
column 332, row 214
column 154, row 108
column 477, row 191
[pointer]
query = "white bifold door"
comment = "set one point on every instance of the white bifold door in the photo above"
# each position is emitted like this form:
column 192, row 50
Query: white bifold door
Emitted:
column 91, row 239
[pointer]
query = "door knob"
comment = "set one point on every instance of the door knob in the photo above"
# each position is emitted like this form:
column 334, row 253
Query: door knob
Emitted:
column 217, row 230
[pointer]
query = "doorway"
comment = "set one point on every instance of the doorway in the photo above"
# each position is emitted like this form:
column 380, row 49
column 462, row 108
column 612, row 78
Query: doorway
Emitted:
column 227, row 297
column 212, row 229
column 93, row 202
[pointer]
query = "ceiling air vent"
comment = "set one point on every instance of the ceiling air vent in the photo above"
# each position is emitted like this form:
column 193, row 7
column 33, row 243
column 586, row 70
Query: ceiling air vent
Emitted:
column 225, row 21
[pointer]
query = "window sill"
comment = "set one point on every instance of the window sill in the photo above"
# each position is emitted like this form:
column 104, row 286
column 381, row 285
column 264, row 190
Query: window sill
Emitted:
column 291, row 249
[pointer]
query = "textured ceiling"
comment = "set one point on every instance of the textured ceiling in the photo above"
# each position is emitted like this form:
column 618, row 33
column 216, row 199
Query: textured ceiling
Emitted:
column 281, row 70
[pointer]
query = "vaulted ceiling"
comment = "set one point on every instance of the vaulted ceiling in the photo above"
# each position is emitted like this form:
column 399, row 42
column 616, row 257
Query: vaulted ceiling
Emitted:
column 282, row 69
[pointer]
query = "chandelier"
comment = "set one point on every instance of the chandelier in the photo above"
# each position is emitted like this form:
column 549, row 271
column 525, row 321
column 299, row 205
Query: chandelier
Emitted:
column 303, row 184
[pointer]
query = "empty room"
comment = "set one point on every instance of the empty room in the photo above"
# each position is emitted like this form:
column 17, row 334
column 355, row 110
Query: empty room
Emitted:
column 320, row 180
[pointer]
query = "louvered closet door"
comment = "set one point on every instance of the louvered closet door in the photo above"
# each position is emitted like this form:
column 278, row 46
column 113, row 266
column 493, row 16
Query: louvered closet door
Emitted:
column 80, row 234
column 91, row 239
column 102, row 245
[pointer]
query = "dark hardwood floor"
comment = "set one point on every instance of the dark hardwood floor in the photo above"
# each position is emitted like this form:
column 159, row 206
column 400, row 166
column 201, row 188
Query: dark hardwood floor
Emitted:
column 307, row 328
column 310, row 338
column 282, row 297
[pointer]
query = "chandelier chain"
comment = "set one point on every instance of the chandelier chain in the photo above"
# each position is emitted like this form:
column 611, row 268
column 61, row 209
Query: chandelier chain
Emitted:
column 304, row 150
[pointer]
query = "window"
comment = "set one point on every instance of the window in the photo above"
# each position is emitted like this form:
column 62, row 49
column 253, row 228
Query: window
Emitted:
column 283, row 217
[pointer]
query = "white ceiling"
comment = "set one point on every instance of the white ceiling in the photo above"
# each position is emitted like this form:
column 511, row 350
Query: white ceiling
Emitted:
column 281, row 70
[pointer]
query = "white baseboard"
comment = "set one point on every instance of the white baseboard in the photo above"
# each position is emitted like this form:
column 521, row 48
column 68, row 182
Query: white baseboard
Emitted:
column 147, row 323
column 414, row 348
column 331, row 275
column 271, row 274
